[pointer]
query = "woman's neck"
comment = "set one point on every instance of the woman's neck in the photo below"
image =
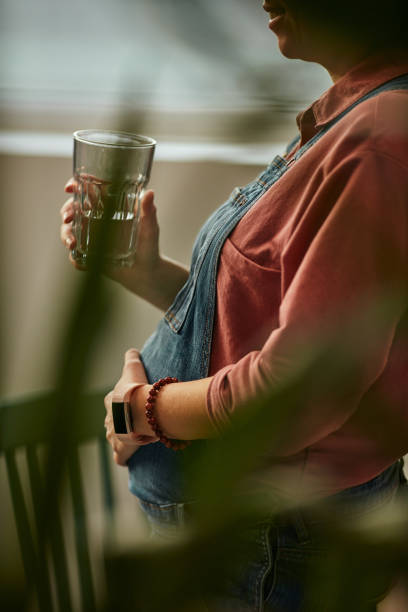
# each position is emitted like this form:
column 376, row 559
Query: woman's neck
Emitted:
column 341, row 62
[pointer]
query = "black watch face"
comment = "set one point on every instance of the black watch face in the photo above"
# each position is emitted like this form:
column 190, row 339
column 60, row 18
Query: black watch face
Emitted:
column 119, row 421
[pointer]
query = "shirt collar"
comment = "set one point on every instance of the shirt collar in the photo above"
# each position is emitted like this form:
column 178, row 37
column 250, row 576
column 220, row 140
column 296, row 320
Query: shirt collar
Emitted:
column 363, row 78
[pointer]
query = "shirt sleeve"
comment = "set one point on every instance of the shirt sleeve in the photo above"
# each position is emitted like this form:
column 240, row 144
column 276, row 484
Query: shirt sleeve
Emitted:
column 348, row 251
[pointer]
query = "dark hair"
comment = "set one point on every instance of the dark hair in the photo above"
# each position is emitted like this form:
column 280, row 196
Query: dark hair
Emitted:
column 384, row 23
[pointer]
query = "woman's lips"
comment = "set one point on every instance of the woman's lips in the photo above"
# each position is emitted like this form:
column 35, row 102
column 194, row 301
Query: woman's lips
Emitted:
column 275, row 21
column 276, row 13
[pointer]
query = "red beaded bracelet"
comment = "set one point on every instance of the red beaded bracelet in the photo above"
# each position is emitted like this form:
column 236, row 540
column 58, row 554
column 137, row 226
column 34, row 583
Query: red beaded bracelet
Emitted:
column 149, row 412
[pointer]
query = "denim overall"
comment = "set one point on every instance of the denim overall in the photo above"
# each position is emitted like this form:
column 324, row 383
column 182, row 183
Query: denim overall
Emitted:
column 181, row 345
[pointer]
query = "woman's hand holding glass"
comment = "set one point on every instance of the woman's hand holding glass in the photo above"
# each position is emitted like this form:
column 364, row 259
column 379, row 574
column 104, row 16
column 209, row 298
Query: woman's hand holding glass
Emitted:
column 147, row 251
column 152, row 276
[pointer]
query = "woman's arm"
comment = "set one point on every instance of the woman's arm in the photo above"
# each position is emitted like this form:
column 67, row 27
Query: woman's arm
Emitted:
column 158, row 283
column 153, row 277
column 180, row 409
column 348, row 262
column 357, row 257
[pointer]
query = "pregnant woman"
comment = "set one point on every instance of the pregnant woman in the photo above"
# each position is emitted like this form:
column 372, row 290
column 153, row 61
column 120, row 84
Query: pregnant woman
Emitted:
column 320, row 232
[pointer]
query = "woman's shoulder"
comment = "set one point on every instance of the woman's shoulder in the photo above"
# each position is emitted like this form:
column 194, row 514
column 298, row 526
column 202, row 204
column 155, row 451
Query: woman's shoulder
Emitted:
column 390, row 128
column 387, row 115
column 378, row 125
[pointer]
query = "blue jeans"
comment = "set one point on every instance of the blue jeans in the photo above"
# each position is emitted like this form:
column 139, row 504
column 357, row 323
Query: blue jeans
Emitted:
column 286, row 548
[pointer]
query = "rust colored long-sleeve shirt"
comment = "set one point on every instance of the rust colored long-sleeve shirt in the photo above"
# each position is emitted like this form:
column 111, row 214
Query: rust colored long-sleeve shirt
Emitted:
column 326, row 240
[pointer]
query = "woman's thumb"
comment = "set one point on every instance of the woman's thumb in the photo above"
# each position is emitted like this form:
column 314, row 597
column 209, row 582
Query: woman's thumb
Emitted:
column 147, row 204
column 148, row 228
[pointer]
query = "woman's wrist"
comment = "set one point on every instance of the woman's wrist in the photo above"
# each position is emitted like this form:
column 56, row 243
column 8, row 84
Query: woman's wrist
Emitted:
column 157, row 281
column 138, row 278
column 137, row 405
column 180, row 410
column 164, row 280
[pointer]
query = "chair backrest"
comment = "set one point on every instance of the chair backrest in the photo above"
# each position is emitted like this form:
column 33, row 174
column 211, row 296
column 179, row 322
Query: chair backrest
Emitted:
column 24, row 429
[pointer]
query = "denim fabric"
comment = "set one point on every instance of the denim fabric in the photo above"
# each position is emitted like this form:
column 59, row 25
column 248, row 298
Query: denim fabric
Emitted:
column 301, row 541
column 181, row 344
column 274, row 577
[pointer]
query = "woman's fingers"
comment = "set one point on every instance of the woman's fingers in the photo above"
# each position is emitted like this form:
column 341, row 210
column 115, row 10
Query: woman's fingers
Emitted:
column 147, row 241
column 67, row 214
column 147, row 203
column 76, row 264
column 67, row 237
column 148, row 225
column 133, row 370
column 67, row 210
column 120, row 453
column 71, row 185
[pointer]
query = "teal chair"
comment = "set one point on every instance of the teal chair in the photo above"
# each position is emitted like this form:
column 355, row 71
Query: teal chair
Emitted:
column 24, row 428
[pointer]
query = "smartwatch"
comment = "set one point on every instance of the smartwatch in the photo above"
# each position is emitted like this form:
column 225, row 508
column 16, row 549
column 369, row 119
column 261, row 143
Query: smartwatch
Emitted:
column 121, row 410
column 122, row 417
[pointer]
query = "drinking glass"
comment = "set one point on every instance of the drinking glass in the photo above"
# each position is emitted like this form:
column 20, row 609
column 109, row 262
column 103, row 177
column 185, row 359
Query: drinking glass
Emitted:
column 111, row 169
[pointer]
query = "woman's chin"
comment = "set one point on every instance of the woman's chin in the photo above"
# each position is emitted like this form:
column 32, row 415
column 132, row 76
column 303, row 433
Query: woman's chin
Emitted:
column 288, row 48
